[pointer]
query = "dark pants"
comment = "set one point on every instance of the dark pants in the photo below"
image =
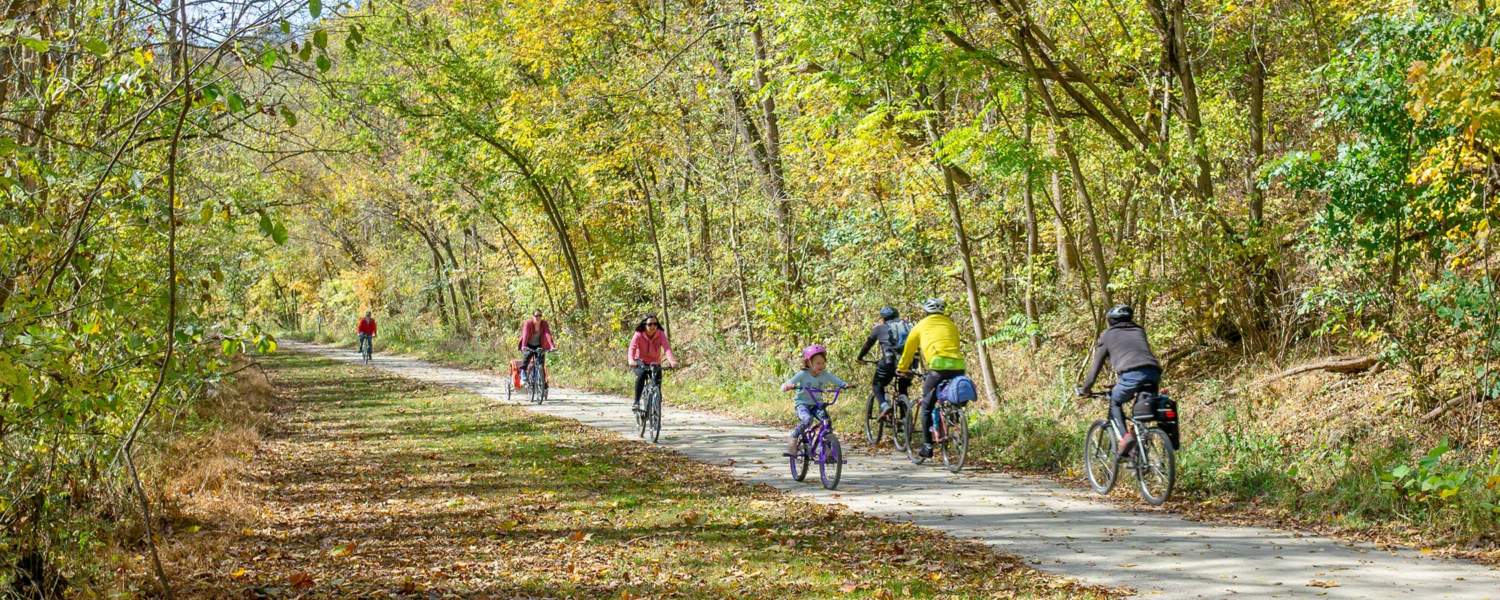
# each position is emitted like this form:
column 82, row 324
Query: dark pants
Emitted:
column 532, row 352
column 1127, row 385
column 366, row 341
column 930, row 383
column 641, row 373
column 885, row 372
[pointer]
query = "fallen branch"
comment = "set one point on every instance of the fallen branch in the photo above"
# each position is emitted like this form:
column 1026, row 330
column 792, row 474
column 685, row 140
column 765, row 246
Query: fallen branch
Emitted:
column 1451, row 403
column 1344, row 365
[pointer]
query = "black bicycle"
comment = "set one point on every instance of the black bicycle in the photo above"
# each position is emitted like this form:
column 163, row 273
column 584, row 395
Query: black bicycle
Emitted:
column 896, row 420
column 1152, row 456
column 366, row 346
column 536, row 376
column 648, row 414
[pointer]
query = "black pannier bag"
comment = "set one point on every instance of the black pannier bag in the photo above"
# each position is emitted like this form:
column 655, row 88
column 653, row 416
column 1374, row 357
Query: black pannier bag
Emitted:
column 1166, row 418
column 1152, row 406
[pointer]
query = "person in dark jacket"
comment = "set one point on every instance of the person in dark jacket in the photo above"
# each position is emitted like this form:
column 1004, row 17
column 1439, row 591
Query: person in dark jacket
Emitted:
column 1136, row 369
column 888, row 336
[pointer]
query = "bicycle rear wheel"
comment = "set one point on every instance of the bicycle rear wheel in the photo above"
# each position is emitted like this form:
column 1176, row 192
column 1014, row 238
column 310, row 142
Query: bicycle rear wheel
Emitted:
column 898, row 423
column 956, row 437
column 830, row 461
column 653, row 426
column 874, row 426
column 1156, row 468
column 1099, row 460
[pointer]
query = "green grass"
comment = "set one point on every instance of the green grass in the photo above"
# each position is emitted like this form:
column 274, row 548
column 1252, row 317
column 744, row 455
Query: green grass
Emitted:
column 503, row 503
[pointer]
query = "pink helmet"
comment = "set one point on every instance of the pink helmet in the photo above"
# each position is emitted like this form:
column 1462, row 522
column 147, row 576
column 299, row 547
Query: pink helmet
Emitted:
column 809, row 352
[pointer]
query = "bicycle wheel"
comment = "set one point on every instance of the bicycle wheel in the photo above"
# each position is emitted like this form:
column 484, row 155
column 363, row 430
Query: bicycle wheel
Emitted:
column 914, row 436
column 536, row 384
column 956, row 437
column 1099, row 460
column 800, row 460
column 898, row 424
column 874, row 426
column 641, row 414
column 830, row 461
column 653, row 427
column 1156, row 466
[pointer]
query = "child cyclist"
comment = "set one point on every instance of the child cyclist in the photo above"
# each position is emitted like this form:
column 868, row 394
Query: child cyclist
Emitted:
column 814, row 374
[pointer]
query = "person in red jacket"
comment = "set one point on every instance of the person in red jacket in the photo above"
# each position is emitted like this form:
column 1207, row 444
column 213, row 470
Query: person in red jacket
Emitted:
column 648, row 348
column 367, row 333
column 536, row 335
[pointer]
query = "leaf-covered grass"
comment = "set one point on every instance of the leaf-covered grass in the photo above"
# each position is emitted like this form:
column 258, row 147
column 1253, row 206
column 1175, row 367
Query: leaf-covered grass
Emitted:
column 376, row 485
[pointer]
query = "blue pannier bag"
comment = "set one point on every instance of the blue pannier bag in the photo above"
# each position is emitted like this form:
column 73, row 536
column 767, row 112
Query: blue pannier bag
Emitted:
column 959, row 391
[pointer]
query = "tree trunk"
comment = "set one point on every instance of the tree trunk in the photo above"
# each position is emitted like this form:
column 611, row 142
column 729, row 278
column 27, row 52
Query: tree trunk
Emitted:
column 661, row 273
column 739, row 272
column 1031, row 232
column 1080, row 187
column 1257, row 103
column 971, row 288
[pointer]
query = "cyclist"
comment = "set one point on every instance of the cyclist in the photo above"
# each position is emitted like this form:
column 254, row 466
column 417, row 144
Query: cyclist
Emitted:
column 814, row 374
column 889, row 334
column 648, row 347
column 1136, row 368
column 937, row 337
column 536, row 334
column 366, row 330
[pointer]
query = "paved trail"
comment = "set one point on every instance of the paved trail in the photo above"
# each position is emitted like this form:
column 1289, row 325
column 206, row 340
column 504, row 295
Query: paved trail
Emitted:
column 1056, row 529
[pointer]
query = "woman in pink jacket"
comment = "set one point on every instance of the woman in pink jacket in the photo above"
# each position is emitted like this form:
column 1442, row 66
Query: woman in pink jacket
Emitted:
column 536, row 342
column 648, row 348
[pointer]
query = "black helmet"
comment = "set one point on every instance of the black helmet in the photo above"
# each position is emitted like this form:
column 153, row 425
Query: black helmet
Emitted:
column 1121, row 313
column 888, row 313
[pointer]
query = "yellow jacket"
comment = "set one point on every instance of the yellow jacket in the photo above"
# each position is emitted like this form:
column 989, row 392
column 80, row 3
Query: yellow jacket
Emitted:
column 937, row 337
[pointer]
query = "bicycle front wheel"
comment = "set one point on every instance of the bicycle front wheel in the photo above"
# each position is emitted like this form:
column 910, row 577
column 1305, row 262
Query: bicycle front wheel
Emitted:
column 914, row 436
column 899, row 425
column 830, row 461
column 956, row 434
column 800, row 460
column 874, row 426
column 653, row 427
column 1157, row 466
column 643, row 412
column 1099, row 460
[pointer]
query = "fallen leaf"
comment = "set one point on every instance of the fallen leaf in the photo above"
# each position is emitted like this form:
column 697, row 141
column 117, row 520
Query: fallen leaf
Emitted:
column 301, row 580
column 239, row 573
column 1323, row 583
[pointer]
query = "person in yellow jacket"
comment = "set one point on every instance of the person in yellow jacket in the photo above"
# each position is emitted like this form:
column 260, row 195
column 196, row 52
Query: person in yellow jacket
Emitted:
column 936, row 336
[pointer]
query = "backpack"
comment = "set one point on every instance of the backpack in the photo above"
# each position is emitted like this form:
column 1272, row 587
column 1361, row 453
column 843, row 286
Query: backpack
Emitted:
column 896, row 333
column 959, row 391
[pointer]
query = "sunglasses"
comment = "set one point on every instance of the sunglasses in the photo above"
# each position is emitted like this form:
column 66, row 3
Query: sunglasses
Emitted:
column 652, row 324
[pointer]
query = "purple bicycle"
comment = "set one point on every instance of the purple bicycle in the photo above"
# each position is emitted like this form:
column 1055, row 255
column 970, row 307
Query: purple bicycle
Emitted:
column 819, row 444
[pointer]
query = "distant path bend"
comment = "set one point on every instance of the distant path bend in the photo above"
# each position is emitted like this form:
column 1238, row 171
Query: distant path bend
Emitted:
column 1055, row 529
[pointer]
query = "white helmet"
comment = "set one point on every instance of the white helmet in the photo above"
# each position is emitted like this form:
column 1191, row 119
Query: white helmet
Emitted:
column 934, row 305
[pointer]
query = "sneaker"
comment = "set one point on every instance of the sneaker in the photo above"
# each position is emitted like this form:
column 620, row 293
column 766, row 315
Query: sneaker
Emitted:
column 885, row 412
column 926, row 451
column 1123, row 449
column 791, row 448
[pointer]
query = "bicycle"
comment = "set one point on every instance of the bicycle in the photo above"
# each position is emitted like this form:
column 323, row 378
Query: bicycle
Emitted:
column 648, row 415
column 366, row 346
column 819, row 444
column 895, row 420
column 950, row 432
column 536, row 376
column 1152, row 456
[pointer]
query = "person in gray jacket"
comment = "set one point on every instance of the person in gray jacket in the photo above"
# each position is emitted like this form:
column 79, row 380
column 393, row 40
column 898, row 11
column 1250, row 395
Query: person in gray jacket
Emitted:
column 1136, row 369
